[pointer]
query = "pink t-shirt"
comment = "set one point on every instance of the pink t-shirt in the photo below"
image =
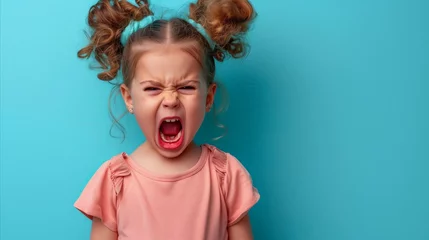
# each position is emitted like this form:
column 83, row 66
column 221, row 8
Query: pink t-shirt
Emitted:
column 198, row 204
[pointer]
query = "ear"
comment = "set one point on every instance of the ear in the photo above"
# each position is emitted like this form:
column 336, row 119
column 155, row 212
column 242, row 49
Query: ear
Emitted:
column 211, row 91
column 126, row 95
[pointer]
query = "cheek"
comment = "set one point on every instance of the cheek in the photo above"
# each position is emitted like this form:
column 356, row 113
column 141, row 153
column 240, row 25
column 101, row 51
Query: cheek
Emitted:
column 142, row 102
column 145, row 110
column 195, row 108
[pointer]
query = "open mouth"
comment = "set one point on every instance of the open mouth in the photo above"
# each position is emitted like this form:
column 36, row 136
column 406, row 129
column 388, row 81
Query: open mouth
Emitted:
column 170, row 133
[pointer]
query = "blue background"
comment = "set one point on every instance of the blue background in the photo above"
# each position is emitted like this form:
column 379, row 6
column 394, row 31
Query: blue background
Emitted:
column 329, row 113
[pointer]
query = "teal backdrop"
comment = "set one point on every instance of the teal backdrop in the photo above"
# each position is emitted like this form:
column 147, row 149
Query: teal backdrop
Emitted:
column 329, row 112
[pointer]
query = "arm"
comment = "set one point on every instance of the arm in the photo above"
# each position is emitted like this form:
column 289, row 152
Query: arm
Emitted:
column 100, row 232
column 241, row 230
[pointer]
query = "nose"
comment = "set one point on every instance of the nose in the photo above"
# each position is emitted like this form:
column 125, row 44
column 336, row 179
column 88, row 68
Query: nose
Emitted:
column 171, row 99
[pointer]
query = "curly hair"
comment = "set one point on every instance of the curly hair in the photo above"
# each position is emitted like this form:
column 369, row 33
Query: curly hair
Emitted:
column 226, row 21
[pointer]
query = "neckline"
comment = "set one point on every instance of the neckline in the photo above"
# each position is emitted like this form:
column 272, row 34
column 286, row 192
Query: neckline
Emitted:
column 168, row 177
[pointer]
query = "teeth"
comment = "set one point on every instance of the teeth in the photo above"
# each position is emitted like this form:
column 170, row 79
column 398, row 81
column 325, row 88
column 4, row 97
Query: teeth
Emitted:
column 171, row 120
column 171, row 139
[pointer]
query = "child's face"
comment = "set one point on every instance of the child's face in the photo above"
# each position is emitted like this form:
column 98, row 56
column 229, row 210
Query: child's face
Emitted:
column 169, row 97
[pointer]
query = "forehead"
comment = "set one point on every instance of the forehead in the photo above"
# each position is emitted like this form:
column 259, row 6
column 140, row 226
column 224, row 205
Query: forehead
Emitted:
column 168, row 62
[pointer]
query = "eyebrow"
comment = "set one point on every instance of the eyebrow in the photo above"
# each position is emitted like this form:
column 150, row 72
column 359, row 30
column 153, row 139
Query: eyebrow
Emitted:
column 180, row 82
column 150, row 81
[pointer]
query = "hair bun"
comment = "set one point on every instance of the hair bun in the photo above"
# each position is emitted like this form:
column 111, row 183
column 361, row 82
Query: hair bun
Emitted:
column 107, row 19
column 226, row 21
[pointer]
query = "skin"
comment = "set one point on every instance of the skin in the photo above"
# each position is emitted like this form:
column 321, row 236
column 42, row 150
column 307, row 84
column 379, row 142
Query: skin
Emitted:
column 168, row 82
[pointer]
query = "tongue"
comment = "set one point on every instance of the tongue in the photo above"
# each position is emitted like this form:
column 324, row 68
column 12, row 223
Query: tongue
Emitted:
column 171, row 128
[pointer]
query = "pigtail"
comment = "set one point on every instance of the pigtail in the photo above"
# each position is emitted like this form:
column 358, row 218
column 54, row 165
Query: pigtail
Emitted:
column 226, row 21
column 107, row 19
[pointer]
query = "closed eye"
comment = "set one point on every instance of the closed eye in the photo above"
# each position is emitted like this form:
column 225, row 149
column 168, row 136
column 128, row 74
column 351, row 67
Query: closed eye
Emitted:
column 148, row 89
column 188, row 88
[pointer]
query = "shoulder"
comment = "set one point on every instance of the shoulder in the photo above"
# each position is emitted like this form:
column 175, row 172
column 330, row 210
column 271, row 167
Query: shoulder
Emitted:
column 109, row 175
column 226, row 162
column 229, row 168
column 118, row 169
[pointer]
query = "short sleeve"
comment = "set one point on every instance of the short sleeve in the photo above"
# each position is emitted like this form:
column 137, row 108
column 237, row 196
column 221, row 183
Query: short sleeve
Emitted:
column 99, row 197
column 241, row 195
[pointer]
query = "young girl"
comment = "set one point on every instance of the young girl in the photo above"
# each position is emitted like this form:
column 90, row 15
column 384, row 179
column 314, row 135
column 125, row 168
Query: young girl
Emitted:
column 169, row 188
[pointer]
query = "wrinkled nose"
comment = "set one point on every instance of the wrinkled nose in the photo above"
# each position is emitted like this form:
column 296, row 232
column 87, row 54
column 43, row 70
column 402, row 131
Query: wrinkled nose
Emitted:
column 170, row 100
